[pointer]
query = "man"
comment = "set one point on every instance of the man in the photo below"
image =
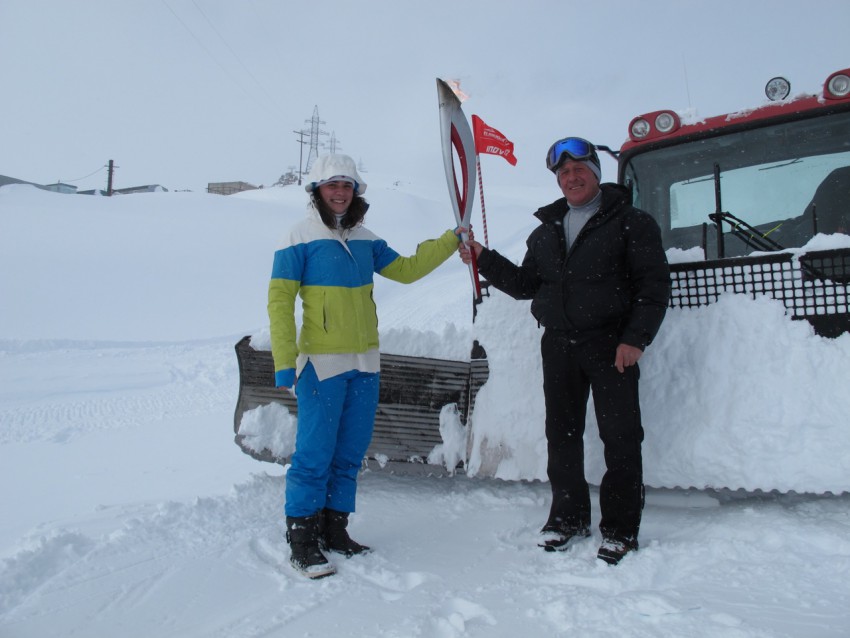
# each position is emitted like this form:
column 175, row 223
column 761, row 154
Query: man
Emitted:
column 599, row 282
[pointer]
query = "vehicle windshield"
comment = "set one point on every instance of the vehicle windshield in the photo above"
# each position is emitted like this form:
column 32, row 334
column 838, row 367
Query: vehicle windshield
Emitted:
column 770, row 177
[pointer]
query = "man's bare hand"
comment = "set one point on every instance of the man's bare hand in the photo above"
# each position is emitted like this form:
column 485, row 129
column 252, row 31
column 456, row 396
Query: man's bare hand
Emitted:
column 626, row 356
column 465, row 250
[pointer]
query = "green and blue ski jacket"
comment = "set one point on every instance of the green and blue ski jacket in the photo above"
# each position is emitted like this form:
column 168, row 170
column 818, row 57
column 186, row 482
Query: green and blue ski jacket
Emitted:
column 333, row 272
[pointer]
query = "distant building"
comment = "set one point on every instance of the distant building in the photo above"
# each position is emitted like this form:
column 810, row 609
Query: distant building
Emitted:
column 228, row 188
column 14, row 180
column 59, row 187
column 150, row 188
column 70, row 189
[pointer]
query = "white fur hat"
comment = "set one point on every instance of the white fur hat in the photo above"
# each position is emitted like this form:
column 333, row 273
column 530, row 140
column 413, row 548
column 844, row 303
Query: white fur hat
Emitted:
column 328, row 168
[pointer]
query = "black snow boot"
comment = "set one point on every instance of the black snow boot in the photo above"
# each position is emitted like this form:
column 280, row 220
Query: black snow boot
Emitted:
column 302, row 534
column 333, row 536
column 613, row 550
column 559, row 538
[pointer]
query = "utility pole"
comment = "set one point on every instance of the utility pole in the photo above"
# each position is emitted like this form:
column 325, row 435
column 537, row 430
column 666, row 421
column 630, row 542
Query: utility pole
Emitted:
column 301, row 134
column 109, row 178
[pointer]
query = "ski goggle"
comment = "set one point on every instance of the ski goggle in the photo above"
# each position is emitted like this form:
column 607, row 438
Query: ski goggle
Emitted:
column 575, row 148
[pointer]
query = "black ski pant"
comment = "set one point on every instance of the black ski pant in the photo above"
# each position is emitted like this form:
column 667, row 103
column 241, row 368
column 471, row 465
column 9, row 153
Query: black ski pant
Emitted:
column 571, row 370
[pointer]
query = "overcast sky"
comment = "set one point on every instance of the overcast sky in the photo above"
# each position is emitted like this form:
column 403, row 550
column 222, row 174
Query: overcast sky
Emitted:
column 185, row 92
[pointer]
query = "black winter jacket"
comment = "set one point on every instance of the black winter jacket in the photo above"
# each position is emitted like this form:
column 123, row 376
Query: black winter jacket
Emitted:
column 615, row 276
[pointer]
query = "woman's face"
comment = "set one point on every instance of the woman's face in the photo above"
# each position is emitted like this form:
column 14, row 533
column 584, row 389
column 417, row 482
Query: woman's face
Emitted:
column 337, row 195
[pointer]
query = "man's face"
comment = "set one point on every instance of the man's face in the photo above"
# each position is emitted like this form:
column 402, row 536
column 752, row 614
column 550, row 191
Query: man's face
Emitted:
column 578, row 183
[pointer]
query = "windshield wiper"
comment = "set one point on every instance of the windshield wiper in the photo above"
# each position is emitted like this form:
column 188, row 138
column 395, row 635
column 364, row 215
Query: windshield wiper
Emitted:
column 770, row 168
column 747, row 233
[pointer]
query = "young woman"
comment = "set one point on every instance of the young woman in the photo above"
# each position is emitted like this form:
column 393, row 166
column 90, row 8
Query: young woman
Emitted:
column 329, row 260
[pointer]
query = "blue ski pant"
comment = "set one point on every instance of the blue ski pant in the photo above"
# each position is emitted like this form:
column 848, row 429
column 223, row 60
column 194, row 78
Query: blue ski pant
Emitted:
column 335, row 422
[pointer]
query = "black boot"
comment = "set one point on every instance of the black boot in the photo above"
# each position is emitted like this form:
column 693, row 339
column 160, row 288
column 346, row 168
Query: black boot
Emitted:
column 613, row 550
column 302, row 534
column 335, row 538
column 560, row 538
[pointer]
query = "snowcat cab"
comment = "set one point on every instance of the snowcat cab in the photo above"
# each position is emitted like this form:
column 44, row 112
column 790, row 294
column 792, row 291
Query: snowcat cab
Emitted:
column 744, row 187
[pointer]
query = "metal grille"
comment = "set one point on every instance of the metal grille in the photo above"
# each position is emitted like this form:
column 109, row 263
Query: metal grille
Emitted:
column 826, row 275
column 814, row 285
column 701, row 283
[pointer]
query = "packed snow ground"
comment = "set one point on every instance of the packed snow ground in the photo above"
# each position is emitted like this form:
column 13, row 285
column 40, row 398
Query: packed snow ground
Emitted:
column 129, row 511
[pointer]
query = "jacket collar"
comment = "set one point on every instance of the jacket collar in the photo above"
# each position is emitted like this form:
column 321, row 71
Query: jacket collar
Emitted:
column 340, row 234
column 613, row 196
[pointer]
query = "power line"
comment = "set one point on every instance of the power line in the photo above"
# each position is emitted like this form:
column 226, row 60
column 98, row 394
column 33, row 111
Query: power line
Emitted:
column 236, row 57
column 207, row 51
column 84, row 176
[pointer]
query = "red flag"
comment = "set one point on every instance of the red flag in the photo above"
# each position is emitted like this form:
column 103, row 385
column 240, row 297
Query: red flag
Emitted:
column 489, row 140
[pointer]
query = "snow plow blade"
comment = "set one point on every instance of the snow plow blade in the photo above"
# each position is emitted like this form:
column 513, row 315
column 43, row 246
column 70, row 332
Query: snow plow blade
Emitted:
column 413, row 393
